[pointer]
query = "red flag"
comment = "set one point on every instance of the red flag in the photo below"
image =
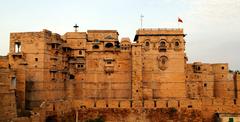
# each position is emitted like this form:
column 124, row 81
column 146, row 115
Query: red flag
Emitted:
column 180, row 20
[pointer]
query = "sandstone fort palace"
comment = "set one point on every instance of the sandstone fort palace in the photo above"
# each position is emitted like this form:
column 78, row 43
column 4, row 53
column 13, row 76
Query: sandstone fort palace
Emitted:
column 87, row 75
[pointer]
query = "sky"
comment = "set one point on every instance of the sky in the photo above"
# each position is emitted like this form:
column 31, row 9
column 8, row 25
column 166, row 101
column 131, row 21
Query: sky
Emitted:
column 212, row 26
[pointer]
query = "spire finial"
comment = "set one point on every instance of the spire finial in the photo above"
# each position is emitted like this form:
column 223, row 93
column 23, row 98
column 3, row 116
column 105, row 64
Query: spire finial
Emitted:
column 76, row 27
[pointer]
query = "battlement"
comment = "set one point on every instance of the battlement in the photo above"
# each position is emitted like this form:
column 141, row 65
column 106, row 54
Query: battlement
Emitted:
column 157, row 31
column 102, row 31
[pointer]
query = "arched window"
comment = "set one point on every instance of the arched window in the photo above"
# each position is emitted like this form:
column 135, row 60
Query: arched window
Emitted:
column 109, row 45
column 177, row 44
column 95, row 47
column 198, row 68
column 147, row 44
column 162, row 46
column 162, row 62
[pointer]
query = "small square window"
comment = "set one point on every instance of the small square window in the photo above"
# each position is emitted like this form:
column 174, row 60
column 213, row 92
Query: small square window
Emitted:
column 80, row 52
column 36, row 59
column 198, row 68
column 72, row 77
column 53, row 46
column 189, row 106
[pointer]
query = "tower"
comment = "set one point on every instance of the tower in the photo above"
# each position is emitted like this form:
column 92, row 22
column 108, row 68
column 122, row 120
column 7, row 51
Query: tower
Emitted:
column 162, row 65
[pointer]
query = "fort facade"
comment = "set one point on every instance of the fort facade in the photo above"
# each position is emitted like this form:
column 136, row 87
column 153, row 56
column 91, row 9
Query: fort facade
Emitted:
column 47, row 76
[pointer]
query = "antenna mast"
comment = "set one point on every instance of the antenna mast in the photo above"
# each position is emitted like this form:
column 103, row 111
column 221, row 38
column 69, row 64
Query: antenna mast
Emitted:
column 141, row 20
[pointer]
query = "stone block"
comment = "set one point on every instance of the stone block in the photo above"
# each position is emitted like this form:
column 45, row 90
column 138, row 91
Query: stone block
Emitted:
column 172, row 103
column 113, row 104
column 87, row 103
column 148, row 104
column 101, row 104
column 196, row 104
column 161, row 103
column 125, row 104
column 184, row 103
column 137, row 104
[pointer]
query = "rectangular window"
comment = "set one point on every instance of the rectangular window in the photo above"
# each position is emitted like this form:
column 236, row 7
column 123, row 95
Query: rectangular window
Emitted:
column 53, row 75
column 80, row 52
column 53, row 46
column 17, row 47
column 231, row 120
column 13, row 83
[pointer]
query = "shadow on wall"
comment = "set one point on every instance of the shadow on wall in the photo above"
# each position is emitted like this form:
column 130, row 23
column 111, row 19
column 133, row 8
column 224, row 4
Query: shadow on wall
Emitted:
column 51, row 119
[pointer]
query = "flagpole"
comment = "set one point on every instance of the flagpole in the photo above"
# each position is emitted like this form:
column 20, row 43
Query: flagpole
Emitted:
column 141, row 20
column 179, row 21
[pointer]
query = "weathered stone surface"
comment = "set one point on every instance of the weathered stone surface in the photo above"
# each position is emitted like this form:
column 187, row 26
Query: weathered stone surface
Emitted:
column 91, row 74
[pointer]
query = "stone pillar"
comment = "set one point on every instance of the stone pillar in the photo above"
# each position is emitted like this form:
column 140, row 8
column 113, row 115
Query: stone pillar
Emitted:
column 238, row 85
column 137, row 93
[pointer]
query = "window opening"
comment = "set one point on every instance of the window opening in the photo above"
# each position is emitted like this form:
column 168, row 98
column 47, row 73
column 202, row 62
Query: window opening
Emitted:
column 17, row 47
column 109, row 45
column 13, row 82
column 147, row 44
column 162, row 44
column 176, row 44
column 80, row 52
column 72, row 76
column 95, row 47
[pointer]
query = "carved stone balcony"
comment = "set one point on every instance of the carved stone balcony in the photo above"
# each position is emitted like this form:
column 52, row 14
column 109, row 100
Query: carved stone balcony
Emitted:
column 109, row 68
column 162, row 48
column 53, row 69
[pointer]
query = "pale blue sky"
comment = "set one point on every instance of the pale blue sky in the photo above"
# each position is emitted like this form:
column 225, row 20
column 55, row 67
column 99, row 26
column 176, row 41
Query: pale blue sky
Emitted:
column 212, row 25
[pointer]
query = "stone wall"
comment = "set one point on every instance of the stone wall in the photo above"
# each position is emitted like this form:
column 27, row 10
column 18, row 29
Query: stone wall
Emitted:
column 8, row 109
column 162, row 62
column 37, row 60
column 92, row 74
column 139, row 115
